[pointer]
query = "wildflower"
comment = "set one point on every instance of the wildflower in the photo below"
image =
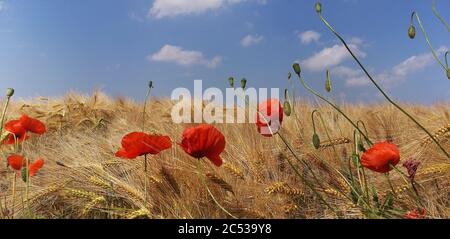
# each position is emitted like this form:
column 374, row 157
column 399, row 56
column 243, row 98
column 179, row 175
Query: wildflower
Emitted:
column 18, row 163
column 380, row 157
column 204, row 141
column 411, row 165
column 269, row 117
column 138, row 143
column 16, row 132
column 18, row 129
column 415, row 214
column 32, row 125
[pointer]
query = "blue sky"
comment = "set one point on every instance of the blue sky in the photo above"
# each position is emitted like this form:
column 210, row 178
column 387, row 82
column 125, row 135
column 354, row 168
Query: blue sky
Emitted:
column 49, row 47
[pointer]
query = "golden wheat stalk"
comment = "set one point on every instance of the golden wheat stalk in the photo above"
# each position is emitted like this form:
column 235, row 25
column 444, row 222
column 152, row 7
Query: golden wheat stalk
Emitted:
column 82, row 194
column 138, row 214
column 334, row 142
column 170, row 179
column 233, row 170
column 436, row 169
column 437, row 135
column 220, row 182
column 94, row 202
column 283, row 188
column 100, row 183
column 290, row 208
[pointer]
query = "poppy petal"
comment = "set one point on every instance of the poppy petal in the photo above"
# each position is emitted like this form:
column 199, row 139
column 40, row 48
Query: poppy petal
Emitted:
column 16, row 162
column 32, row 125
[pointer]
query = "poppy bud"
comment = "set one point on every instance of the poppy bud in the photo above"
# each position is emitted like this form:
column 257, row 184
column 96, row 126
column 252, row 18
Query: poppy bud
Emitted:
column 328, row 82
column 231, row 82
column 287, row 108
column 318, row 7
column 9, row 92
column 448, row 74
column 289, row 75
column 316, row 141
column 243, row 83
column 411, row 32
column 297, row 69
column 150, row 84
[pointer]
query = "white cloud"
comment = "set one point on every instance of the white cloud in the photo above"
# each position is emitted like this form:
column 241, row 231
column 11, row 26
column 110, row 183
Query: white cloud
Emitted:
column 177, row 55
column 171, row 8
column 331, row 56
column 397, row 74
column 309, row 36
column 251, row 40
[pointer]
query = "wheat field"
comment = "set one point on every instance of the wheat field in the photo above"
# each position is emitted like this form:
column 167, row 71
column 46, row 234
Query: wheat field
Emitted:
column 83, row 179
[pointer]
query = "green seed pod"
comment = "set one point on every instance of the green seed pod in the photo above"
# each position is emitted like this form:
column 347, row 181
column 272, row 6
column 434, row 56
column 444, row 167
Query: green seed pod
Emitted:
column 243, row 83
column 9, row 92
column 448, row 74
column 316, row 141
column 287, row 108
column 411, row 32
column 318, row 7
column 328, row 82
column 231, row 82
column 297, row 69
column 150, row 84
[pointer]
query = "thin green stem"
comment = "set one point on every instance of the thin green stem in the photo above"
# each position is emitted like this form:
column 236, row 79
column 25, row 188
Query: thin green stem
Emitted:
column 5, row 108
column 381, row 90
column 427, row 38
column 145, row 181
column 433, row 6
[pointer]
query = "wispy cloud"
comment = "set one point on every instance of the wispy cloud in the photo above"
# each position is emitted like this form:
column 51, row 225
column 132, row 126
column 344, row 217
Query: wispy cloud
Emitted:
column 171, row 8
column 309, row 37
column 392, row 77
column 331, row 56
column 179, row 56
column 251, row 40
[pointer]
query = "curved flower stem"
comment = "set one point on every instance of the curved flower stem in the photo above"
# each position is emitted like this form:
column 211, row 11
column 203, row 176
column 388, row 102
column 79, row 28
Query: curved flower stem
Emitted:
column 145, row 181
column 446, row 61
column 381, row 90
column 427, row 38
column 334, row 106
column 5, row 108
column 433, row 6
column 143, row 129
column 202, row 177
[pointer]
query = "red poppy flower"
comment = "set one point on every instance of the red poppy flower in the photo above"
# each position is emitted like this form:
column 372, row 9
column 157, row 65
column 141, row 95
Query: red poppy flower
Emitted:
column 18, row 129
column 32, row 125
column 138, row 143
column 17, row 162
column 17, row 132
column 269, row 117
column 204, row 141
column 380, row 157
column 415, row 214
